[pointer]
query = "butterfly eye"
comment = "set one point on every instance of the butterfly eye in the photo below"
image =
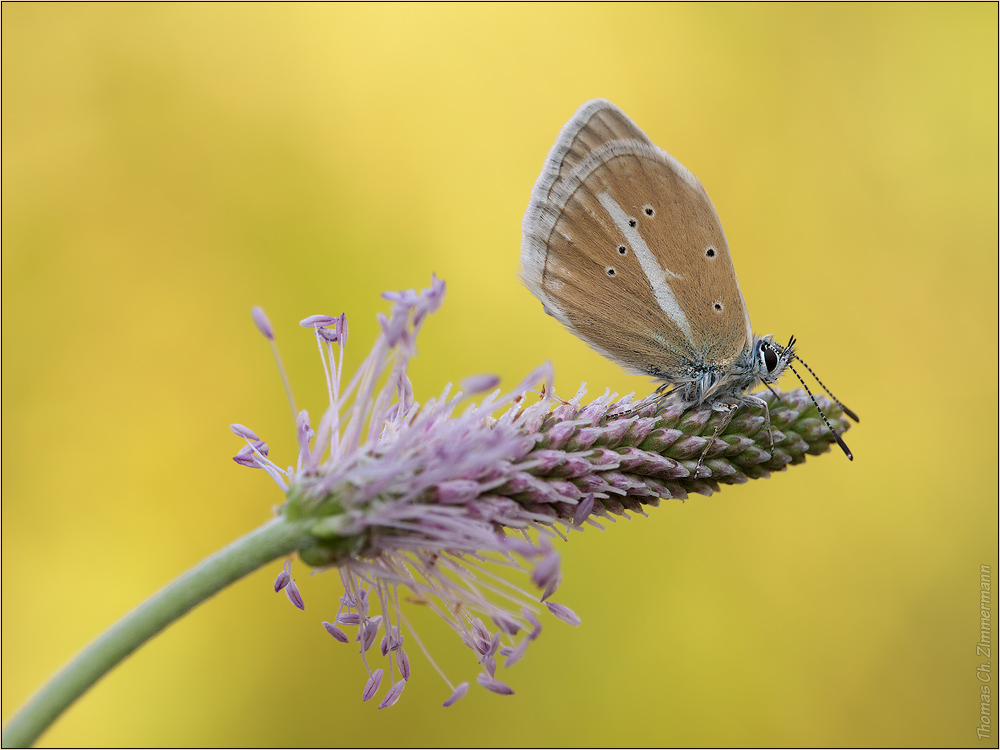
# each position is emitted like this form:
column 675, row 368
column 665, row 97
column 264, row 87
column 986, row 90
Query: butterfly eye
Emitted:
column 710, row 252
column 770, row 358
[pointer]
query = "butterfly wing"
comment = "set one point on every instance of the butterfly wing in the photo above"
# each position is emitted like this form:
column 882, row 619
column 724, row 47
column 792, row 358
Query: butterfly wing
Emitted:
column 623, row 246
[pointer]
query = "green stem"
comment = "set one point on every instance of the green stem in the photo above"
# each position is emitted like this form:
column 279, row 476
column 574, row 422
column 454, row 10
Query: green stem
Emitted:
column 274, row 539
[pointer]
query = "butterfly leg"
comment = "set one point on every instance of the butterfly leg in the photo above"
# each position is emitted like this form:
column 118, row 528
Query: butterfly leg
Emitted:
column 665, row 391
column 755, row 401
column 730, row 410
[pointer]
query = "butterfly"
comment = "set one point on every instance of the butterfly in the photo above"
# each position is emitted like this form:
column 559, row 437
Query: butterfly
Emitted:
column 622, row 245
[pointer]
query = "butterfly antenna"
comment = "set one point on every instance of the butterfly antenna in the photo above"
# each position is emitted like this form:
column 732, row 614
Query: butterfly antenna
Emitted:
column 826, row 421
column 843, row 408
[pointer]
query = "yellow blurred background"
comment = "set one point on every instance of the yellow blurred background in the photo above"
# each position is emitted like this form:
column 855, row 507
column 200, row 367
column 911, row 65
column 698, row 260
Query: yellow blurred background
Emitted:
column 165, row 167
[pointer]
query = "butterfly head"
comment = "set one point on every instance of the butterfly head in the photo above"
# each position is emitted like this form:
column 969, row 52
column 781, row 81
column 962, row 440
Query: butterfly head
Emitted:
column 770, row 360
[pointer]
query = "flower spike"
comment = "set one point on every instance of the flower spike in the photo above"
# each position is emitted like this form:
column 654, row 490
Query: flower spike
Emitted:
column 448, row 506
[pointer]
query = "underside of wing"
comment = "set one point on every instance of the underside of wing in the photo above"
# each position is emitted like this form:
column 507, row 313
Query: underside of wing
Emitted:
column 622, row 245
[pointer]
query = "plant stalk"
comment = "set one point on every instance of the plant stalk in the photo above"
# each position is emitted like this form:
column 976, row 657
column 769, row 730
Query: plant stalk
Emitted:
column 274, row 539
